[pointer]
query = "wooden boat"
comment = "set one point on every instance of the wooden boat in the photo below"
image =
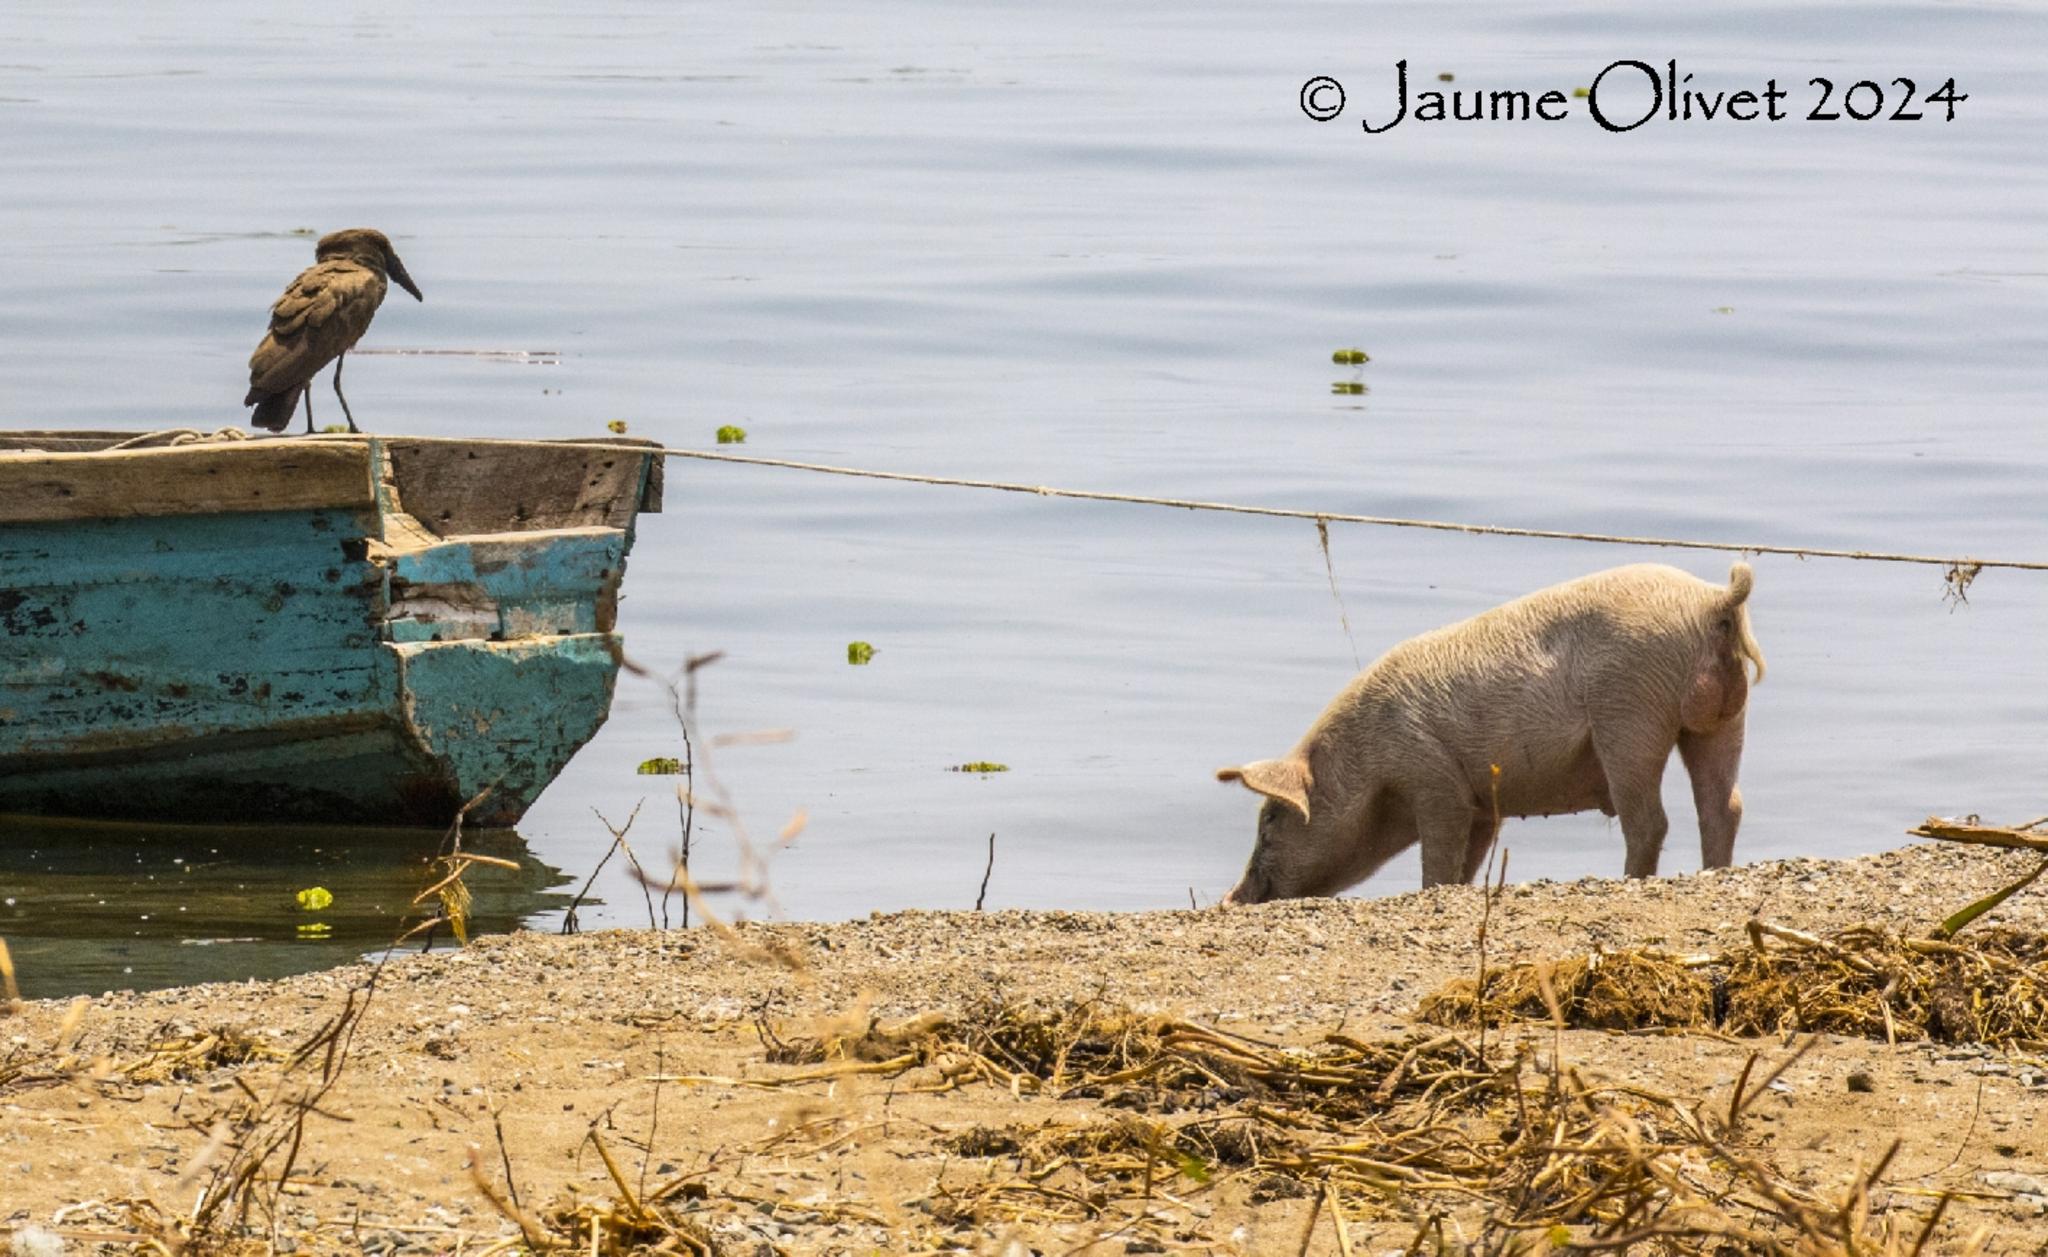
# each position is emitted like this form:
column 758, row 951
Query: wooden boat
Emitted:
column 359, row 630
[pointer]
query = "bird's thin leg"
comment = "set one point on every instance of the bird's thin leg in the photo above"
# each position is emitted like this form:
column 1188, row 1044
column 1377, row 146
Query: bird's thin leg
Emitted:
column 306, row 394
column 338, row 360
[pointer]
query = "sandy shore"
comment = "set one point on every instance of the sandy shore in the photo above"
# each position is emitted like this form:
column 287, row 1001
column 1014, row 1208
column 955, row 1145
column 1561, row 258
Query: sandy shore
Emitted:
column 659, row 1044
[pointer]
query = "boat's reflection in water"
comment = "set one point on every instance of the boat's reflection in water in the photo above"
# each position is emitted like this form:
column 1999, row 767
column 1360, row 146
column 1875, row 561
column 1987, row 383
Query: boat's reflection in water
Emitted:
column 86, row 908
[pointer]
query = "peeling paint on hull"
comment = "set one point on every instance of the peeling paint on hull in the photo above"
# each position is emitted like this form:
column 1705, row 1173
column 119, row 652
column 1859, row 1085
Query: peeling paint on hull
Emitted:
column 443, row 722
column 323, row 664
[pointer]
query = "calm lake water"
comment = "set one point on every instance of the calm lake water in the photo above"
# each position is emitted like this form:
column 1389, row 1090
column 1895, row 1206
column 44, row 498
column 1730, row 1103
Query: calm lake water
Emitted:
column 1095, row 246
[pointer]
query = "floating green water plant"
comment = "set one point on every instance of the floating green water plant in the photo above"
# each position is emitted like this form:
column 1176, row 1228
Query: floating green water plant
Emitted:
column 314, row 898
column 858, row 653
column 979, row 766
column 732, row 434
column 1350, row 357
column 660, row 766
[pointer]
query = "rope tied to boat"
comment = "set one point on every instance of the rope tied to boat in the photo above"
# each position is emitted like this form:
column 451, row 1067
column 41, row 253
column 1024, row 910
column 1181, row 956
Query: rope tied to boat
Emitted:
column 1961, row 569
column 178, row 436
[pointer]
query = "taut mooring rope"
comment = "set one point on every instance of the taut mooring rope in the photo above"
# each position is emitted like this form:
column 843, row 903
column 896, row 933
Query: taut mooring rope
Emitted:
column 1960, row 568
column 1964, row 563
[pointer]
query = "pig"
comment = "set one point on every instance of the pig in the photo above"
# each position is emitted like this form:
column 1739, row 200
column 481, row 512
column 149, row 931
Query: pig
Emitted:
column 1564, row 700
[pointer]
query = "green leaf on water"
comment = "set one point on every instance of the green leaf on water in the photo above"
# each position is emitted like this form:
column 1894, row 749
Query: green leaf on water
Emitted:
column 858, row 653
column 979, row 766
column 1350, row 357
column 732, row 434
column 660, row 766
column 314, row 898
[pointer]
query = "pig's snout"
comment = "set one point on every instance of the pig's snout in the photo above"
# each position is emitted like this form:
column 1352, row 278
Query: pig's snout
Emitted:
column 1249, row 889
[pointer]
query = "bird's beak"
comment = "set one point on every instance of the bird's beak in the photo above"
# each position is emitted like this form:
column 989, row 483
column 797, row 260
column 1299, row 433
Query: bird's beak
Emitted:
column 396, row 269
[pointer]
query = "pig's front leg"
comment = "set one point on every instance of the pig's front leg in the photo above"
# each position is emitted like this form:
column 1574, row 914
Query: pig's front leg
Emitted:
column 1444, row 821
column 1485, row 828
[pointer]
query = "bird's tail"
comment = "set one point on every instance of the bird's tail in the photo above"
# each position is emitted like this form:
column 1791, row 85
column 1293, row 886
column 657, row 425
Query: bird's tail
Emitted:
column 273, row 410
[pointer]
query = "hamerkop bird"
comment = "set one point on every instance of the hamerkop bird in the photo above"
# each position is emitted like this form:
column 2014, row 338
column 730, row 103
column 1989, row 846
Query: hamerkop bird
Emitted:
column 318, row 320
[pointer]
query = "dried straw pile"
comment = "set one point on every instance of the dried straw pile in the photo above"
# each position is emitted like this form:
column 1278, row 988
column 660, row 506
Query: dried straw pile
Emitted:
column 1990, row 986
column 1474, row 1153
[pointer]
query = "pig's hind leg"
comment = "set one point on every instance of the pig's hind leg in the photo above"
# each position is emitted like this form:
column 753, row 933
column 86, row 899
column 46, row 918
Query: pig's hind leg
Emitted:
column 1712, row 760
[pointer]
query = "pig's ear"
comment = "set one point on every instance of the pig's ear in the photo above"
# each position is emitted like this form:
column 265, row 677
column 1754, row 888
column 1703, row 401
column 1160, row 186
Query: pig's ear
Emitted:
column 1284, row 779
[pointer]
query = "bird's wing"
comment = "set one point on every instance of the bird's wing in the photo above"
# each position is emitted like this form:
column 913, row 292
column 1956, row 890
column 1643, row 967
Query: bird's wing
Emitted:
column 324, row 311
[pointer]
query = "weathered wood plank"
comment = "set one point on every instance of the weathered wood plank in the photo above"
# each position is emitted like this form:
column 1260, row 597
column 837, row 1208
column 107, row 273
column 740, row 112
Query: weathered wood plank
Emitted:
column 460, row 488
column 209, row 479
column 657, row 481
column 506, row 587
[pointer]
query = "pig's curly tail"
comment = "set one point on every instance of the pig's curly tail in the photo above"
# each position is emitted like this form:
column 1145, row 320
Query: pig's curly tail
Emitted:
column 1740, row 581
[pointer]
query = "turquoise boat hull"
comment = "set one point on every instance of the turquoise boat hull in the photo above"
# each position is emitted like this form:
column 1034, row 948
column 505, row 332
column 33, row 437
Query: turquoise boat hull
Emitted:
column 360, row 631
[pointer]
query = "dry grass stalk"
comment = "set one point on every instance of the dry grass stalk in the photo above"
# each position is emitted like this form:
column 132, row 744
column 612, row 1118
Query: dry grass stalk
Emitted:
column 751, row 882
column 10, row 994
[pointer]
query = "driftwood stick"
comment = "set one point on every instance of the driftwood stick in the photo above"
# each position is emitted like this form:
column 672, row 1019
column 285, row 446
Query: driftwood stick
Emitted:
column 2015, row 837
